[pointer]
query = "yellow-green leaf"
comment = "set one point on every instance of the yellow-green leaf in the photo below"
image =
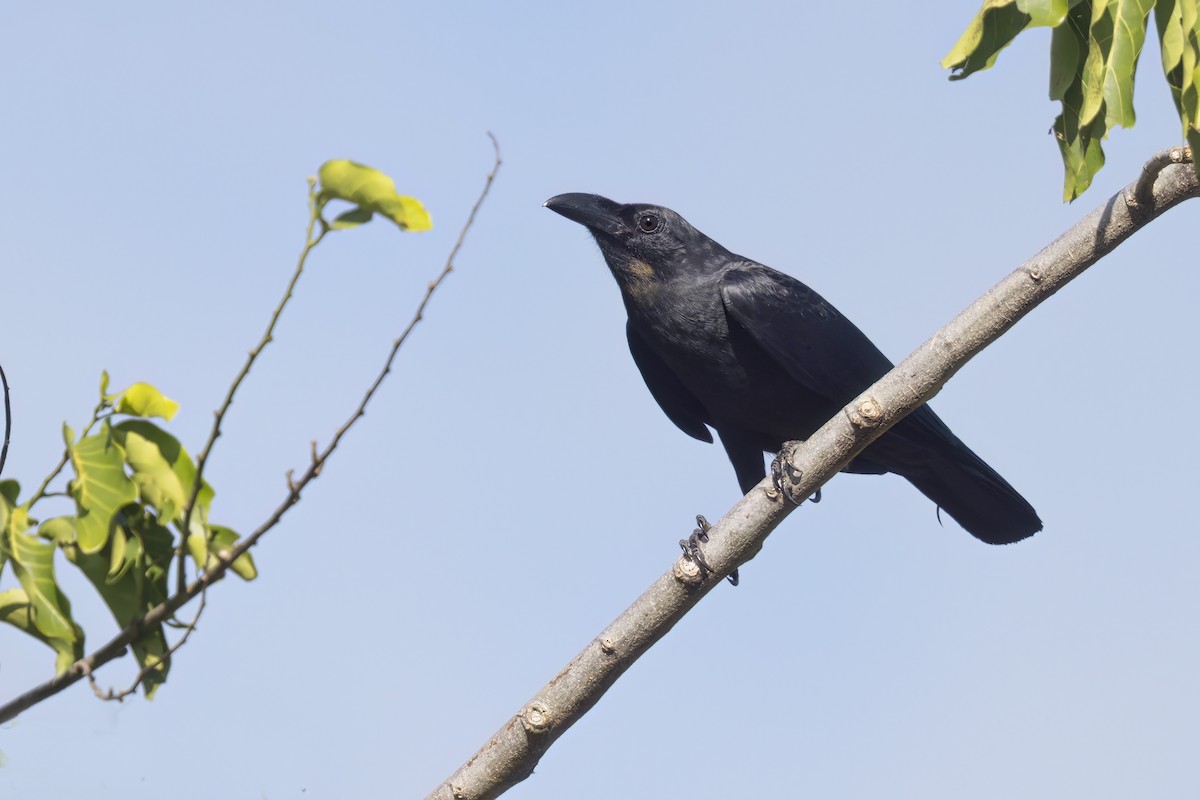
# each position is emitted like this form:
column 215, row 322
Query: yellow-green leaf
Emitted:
column 46, row 612
column 17, row 610
column 162, row 469
column 143, row 400
column 372, row 192
column 33, row 560
column 14, row 519
column 222, row 541
column 5, row 512
column 18, row 519
column 1044, row 13
column 100, row 487
column 59, row 530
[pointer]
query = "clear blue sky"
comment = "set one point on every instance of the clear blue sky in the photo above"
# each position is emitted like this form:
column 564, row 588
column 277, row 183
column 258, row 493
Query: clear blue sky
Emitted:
column 515, row 486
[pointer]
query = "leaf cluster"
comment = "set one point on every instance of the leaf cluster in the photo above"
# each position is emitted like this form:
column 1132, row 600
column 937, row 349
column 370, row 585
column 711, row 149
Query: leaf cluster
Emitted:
column 141, row 504
column 1094, row 51
column 130, row 489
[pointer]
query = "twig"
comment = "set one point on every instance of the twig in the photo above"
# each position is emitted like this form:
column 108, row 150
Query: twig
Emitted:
column 41, row 492
column 219, row 416
column 7, row 421
column 116, row 646
column 512, row 753
column 1142, row 194
column 119, row 696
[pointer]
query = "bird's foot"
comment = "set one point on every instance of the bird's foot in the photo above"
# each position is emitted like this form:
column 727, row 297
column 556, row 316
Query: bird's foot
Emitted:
column 691, row 548
column 784, row 474
column 786, row 477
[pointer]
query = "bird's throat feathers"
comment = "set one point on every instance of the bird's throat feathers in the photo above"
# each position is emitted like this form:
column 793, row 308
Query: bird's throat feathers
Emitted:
column 638, row 278
column 634, row 275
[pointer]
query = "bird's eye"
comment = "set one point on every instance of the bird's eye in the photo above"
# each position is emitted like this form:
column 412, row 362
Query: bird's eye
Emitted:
column 648, row 223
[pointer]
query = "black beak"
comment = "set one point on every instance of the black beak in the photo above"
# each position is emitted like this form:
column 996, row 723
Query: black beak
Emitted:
column 596, row 213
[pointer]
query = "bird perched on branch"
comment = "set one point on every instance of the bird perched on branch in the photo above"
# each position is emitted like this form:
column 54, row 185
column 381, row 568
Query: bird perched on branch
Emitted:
column 729, row 344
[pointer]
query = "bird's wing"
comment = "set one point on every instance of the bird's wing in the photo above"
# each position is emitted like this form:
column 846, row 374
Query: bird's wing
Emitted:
column 810, row 339
column 676, row 401
column 813, row 341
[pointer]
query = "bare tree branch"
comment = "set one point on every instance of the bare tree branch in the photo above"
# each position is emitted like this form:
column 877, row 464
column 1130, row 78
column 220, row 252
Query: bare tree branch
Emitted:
column 511, row 754
column 116, row 646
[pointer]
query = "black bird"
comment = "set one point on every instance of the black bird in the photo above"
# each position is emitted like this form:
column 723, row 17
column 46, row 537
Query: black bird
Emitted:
column 727, row 343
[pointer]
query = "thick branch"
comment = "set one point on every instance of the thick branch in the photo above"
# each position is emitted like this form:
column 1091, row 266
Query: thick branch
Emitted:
column 511, row 754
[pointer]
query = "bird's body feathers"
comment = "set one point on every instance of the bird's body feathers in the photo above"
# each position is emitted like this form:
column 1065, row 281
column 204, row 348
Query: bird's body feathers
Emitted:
column 729, row 344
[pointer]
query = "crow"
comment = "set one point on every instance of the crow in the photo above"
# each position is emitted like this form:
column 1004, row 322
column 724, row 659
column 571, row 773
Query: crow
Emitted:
column 726, row 343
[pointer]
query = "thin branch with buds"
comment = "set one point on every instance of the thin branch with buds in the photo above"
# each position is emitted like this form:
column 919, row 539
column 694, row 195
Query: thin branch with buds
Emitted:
column 310, row 241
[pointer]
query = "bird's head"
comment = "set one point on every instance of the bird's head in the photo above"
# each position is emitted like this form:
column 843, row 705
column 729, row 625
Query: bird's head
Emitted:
column 639, row 241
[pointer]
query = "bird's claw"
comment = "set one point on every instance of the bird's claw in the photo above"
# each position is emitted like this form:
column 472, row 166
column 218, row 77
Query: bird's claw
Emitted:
column 691, row 549
column 786, row 477
column 784, row 474
column 691, row 545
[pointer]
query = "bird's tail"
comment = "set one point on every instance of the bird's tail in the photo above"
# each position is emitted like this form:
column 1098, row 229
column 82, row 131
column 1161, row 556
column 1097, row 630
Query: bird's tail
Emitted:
column 973, row 493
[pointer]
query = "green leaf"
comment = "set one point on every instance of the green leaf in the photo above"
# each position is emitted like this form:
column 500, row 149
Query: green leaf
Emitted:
column 1082, row 157
column 373, row 192
column 48, row 612
column 1094, row 51
column 131, row 575
column 104, row 385
column 162, row 470
column 994, row 27
column 222, row 542
column 1168, row 17
column 10, row 490
column 1067, row 46
column 143, row 400
column 1178, row 23
column 351, row 219
column 1126, row 20
column 1091, row 78
column 100, row 487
